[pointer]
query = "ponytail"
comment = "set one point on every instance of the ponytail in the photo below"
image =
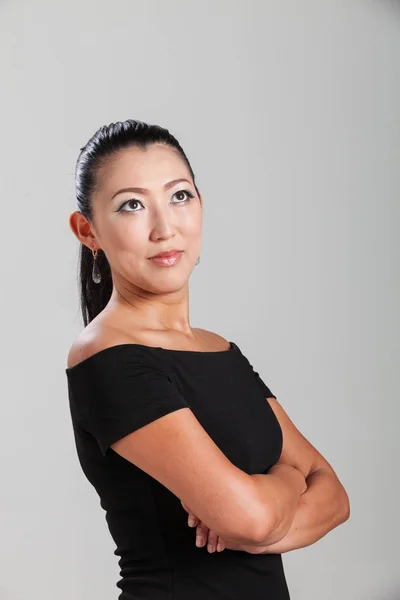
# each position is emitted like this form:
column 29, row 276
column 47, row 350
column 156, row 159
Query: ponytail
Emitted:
column 93, row 296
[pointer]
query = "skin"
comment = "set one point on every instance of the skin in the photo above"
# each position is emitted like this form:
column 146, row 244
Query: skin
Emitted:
column 322, row 507
column 150, row 305
column 150, row 301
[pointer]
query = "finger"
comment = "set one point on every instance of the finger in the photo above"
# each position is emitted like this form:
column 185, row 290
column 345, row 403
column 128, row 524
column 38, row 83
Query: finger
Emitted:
column 193, row 520
column 212, row 541
column 221, row 544
column 201, row 534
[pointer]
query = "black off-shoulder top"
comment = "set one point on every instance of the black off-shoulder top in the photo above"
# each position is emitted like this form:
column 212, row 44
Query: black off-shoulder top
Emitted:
column 122, row 388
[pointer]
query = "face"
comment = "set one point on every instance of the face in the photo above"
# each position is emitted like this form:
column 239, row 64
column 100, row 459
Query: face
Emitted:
column 132, row 225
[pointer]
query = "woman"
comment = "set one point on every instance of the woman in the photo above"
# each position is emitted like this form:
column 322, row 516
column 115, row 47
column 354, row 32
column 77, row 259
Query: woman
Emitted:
column 169, row 419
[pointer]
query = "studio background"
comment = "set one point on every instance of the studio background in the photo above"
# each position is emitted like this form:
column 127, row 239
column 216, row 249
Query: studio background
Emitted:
column 289, row 113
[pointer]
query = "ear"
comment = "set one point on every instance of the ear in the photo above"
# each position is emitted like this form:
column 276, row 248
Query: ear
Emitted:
column 82, row 229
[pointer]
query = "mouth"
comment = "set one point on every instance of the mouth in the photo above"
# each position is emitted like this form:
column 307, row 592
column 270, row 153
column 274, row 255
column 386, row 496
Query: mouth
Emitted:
column 166, row 254
column 166, row 259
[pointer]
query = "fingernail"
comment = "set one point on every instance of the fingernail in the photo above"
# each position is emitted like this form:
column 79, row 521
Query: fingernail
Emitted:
column 199, row 541
column 210, row 548
column 191, row 521
column 219, row 547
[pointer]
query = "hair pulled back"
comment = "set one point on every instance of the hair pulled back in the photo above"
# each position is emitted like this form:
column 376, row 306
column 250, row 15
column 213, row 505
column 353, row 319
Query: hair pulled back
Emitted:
column 107, row 141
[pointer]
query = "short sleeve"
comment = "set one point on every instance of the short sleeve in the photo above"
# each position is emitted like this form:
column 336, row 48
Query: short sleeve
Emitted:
column 266, row 390
column 263, row 386
column 117, row 392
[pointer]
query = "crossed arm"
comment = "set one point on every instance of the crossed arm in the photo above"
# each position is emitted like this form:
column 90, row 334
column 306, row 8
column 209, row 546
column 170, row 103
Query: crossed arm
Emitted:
column 322, row 507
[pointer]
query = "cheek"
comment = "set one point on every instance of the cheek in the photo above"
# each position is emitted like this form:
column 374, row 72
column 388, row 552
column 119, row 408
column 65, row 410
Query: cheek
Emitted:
column 192, row 225
column 126, row 243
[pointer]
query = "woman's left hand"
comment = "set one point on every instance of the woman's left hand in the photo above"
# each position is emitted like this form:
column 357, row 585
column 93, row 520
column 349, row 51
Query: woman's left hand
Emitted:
column 214, row 542
column 204, row 535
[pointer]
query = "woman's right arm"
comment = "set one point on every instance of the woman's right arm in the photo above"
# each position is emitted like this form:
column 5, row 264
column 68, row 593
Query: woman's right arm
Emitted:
column 131, row 406
column 281, row 489
column 249, row 509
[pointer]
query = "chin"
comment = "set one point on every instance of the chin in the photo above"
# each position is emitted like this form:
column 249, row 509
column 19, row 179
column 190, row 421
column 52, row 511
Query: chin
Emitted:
column 166, row 287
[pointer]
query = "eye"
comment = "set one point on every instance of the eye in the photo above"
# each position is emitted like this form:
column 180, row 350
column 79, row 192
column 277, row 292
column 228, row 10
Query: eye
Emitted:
column 187, row 192
column 132, row 201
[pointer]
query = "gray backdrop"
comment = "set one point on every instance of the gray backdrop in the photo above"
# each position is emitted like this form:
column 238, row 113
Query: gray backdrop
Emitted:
column 289, row 112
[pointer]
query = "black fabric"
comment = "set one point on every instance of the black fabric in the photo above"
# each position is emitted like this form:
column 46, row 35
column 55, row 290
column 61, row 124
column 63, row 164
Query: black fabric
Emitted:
column 122, row 388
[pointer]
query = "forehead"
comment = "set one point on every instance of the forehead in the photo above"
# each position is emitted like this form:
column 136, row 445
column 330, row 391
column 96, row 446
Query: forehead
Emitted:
column 149, row 168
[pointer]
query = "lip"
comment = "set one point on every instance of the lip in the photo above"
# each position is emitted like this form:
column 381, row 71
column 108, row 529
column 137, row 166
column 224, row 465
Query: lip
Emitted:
column 167, row 258
column 167, row 253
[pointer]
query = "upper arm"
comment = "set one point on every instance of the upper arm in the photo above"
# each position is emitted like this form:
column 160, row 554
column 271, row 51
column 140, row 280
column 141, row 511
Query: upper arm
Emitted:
column 178, row 452
column 297, row 450
column 130, row 405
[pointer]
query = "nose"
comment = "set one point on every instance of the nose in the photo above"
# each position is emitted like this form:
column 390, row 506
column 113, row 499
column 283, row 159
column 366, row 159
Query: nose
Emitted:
column 162, row 226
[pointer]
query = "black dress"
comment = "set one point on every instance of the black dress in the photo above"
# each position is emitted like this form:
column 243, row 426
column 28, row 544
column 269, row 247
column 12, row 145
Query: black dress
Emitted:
column 122, row 388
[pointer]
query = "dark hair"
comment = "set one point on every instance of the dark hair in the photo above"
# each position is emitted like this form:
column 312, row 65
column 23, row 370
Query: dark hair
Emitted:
column 107, row 141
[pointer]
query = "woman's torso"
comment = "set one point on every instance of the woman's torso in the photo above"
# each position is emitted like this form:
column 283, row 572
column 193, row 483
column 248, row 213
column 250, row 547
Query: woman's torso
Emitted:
column 158, row 557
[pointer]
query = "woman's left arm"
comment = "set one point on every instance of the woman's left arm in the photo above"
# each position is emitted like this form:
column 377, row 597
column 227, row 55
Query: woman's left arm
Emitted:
column 324, row 505
column 320, row 509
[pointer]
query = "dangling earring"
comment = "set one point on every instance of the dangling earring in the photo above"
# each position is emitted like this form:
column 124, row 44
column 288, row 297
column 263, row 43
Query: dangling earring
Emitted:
column 198, row 260
column 96, row 275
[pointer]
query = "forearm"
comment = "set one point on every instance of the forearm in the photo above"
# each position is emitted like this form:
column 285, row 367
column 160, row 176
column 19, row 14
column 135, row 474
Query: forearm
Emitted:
column 322, row 507
column 279, row 491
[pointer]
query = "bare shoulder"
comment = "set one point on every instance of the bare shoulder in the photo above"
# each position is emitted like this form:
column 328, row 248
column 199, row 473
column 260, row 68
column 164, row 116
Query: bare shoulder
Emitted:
column 92, row 340
column 100, row 336
column 212, row 339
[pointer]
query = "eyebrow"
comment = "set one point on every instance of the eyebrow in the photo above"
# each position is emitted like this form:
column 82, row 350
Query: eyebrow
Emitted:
column 140, row 190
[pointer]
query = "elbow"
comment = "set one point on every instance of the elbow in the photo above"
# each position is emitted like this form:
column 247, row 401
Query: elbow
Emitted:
column 263, row 533
column 344, row 506
column 251, row 522
column 261, row 524
column 340, row 507
column 268, row 528
column 255, row 530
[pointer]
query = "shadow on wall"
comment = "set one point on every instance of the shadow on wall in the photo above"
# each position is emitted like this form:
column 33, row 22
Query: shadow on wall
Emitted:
column 393, row 594
column 392, row 8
